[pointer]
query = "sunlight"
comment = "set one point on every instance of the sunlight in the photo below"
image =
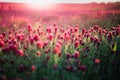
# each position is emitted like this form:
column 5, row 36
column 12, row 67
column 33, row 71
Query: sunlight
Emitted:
column 40, row 4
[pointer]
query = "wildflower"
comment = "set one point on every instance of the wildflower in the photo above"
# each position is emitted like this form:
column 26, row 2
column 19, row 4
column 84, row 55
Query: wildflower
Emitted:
column 45, row 44
column 76, row 44
column 49, row 29
column 47, row 51
column 30, row 28
column 68, row 55
column 38, row 53
column 76, row 29
column 76, row 54
column 31, row 40
column 2, row 44
column 55, row 29
column 4, row 33
column 69, row 68
column 21, row 68
column 96, row 27
column 97, row 61
column 62, row 30
column 39, row 44
column 1, row 37
column 82, row 67
column 83, row 31
column 67, row 38
column 47, row 57
column 18, row 36
column 36, row 38
column 33, row 68
column 71, row 30
column 20, row 52
column 57, row 50
column 50, row 36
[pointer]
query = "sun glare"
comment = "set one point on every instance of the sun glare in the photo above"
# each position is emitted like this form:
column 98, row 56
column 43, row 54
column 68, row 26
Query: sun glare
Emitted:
column 40, row 4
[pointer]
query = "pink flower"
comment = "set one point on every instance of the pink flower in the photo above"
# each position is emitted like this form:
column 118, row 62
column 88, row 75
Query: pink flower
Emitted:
column 33, row 68
column 31, row 40
column 69, row 68
column 49, row 29
column 76, row 44
column 38, row 53
column 2, row 44
column 62, row 30
column 71, row 30
column 82, row 67
column 67, row 37
column 68, row 55
column 18, row 36
column 39, row 44
column 50, row 36
column 36, row 38
column 55, row 29
column 20, row 53
column 1, row 37
column 47, row 51
column 76, row 29
column 84, row 31
column 45, row 44
column 97, row 61
column 4, row 33
column 96, row 27
column 57, row 50
column 76, row 54
column 30, row 28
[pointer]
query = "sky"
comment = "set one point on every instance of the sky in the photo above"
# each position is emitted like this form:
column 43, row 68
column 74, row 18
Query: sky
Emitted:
column 60, row 1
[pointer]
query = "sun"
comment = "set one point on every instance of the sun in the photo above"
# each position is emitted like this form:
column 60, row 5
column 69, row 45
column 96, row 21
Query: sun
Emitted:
column 40, row 4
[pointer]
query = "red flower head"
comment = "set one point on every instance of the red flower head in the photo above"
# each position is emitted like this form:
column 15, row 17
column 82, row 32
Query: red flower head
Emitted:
column 82, row 67
column 68, row 55
column 97, row 61
column 71, row 30
column 49, row 29
column 4, row 33
column 69, row 68
column 38, row 53
column 57, row 50
column 18, row 36
column 20, row 52
column 76, row 29
column 45, row 44
column 1, row 37
column 76, row 54
column 76, row 44
column 84, row 31
column 50, row 36
column 2, row 44
column 33, row 68
column 67, row 37
column 55, row 29
column 62, row 30
column 39, row 44
column 30, row 28
column 36, row 38
column 31, row 40
column 96, row 27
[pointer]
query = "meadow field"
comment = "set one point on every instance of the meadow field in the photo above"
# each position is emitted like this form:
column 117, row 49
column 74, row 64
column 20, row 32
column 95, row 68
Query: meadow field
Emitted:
column 64, row 42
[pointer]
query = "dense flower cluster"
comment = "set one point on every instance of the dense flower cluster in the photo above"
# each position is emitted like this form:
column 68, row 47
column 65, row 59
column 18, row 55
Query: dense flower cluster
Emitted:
column 54, row 48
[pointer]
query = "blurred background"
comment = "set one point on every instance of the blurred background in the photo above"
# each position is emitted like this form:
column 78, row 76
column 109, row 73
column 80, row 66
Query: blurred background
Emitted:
column 18, row 13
